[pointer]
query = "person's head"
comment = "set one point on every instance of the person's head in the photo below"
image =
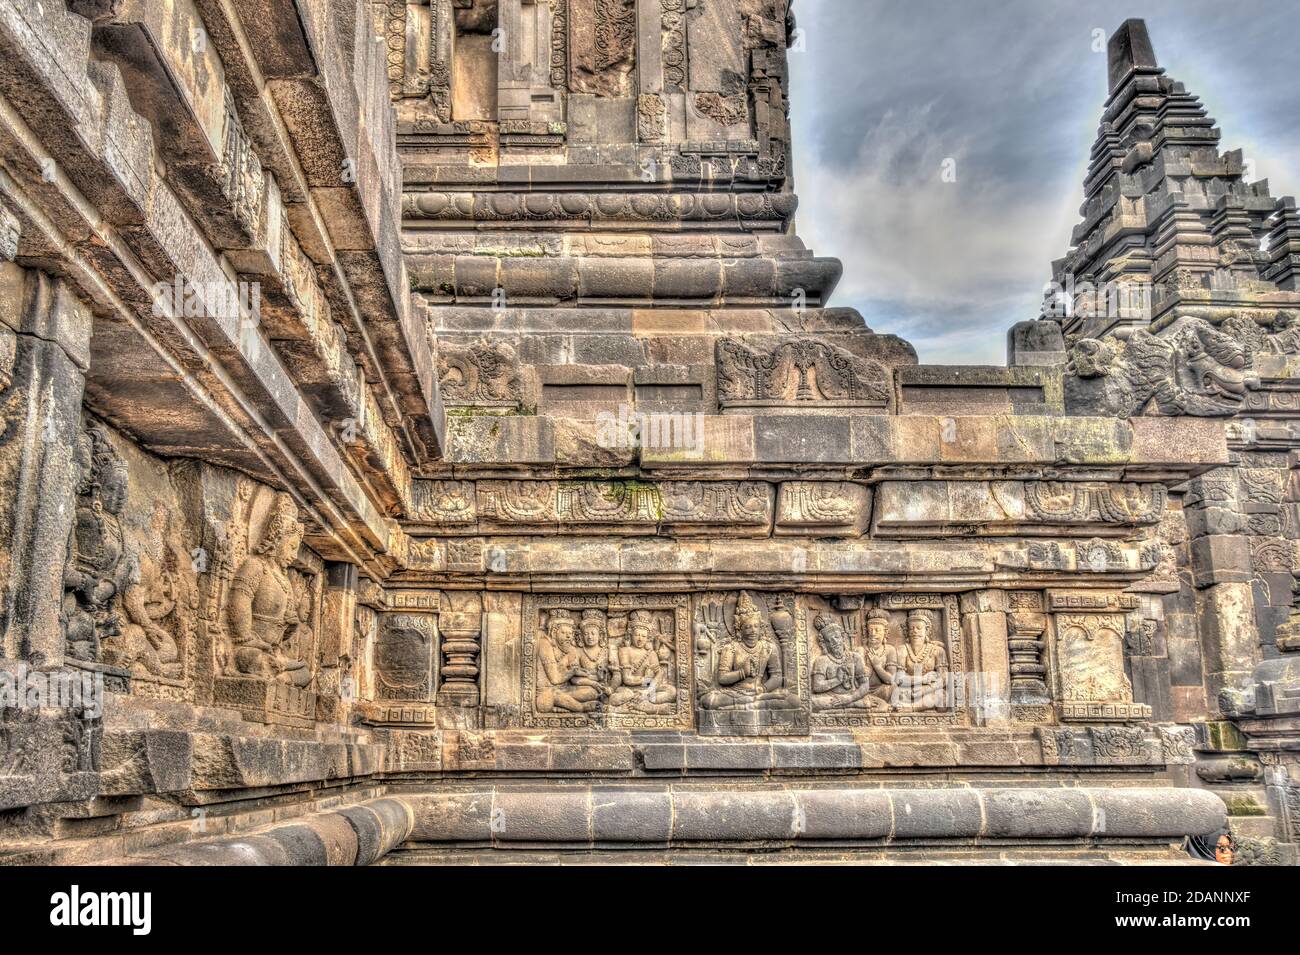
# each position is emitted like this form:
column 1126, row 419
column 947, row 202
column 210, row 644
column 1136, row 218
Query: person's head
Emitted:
column 918, row 627
column 877, row 627
column 639, row 630
column 283, row 535
column 1223, row 850
column 830, row 634
column 749, row 621
column 560, row 627
column 593, row 628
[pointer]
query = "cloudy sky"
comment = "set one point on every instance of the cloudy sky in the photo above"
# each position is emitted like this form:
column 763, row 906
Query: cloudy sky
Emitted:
column 1012, row 90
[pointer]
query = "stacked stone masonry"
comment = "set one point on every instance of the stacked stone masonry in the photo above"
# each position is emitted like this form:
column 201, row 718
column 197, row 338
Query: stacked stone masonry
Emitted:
column 426, row 435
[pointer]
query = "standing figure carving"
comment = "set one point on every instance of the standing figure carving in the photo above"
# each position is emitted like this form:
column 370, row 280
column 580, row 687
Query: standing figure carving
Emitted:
column 95, row 571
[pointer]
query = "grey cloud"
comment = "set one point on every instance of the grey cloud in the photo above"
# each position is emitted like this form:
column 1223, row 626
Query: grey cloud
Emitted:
column 1012, row 91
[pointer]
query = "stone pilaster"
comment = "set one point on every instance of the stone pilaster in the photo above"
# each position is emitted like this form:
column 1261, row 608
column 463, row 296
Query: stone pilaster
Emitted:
column 47, row 332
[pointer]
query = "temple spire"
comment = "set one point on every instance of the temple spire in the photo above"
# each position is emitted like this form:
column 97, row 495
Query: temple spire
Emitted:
column 1130, row 50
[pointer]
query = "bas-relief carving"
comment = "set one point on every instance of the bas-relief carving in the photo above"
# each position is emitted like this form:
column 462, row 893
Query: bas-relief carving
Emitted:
column 96, row 571
column 673, row 43
column 129, row 591
column 824, row 508
column 242, row 180
column 602, row 46
column 485, row 373
column 1268, row 333
column 620, row 661
column 680, row 505
column 650, row 115
column 1068, row 502
column 751, row 669
column 444, row 502
column 404, row 657
column 577, row 210
column 723, row 110
column 1189, row 368
column 559, row 61
column 896, row 660
column 796, row 371
column 264, row 599
column 1089, row 645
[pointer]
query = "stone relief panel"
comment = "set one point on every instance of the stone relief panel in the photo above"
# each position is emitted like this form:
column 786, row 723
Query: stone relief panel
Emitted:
column 1189, row 368
column 896, row 660
column 822, row 508
column 130, row 591
column 264, row 597
column 730, row 508
column 405, row 658
column 618, row 661
column 602, row 46
column 484, row 373
column 771, row 371
column 751, row 665
column 1090, row 631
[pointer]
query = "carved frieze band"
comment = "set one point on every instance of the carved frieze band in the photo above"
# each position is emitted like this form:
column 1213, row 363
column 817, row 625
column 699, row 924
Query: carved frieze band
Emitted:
column 742, row 663
column 573, row 207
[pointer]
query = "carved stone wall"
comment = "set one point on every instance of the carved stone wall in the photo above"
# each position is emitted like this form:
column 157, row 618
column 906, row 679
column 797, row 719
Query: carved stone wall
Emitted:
column 531, row 449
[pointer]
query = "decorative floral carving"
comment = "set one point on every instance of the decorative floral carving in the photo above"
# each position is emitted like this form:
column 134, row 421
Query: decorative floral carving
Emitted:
column 560, row 44
column 650, row 113
column 482, row 373
column 1069, row 502
column 723, row 110
column 796, row 371
column 674, row 43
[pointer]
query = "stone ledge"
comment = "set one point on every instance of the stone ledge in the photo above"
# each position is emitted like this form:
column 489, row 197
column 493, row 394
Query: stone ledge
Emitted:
column 587, row 816
column 354, row 835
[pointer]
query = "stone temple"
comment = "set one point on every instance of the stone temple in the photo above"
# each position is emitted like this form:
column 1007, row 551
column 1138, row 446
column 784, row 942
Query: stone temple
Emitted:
column 426, row 438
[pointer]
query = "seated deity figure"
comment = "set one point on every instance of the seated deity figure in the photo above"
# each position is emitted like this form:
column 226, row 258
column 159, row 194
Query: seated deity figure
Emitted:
column 749, row 674
column 639, row 678
column 563, row 684
column 920, row 682
column 143, row 645
column 593, row 646
column 840, row 676
column 881, row 657
column 263, row 611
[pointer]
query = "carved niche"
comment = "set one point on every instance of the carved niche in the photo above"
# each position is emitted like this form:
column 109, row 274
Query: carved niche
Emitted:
column 621, row 661
column 265, row 595
column 893, row 660
column 751, row 665
column 404, row 657
column 1090, row 633
column 823, row 508
column 772, row 371
column 96, row 570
